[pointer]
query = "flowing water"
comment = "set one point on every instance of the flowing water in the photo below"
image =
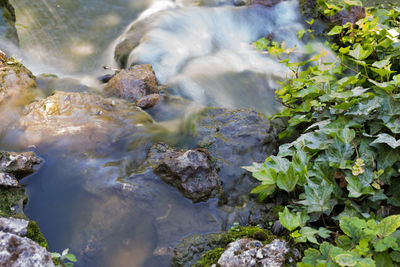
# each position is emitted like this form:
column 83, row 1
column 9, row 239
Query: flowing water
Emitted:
column 202, row 51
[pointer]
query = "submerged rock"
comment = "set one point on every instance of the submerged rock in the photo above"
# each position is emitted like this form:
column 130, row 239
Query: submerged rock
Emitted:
column 133, row 84
column 235, row 138
column 267, row 3
column 248, row 252
column 16, row 251
column 82, row 119
column 172, row 107
column 190, row 171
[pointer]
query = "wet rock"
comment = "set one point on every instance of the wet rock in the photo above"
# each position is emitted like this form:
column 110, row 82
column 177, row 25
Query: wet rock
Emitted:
column 130, row 39
column 235, row 138
column 8, row 180
column 188, row 251
column 16, row 251
column 352, row 15
column 16, row 82
column 308, row 8
column 14, row 226
column 191, row 171
column 3, row 57
column 82, row 119
column 148, row 101
column 105, row 78
column 133, row 84
column 19, row 164
column 14, row 166
column 267, row 3
column 248, row 252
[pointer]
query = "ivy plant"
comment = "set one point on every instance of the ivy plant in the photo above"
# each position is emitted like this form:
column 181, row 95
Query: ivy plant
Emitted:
column 342, row 170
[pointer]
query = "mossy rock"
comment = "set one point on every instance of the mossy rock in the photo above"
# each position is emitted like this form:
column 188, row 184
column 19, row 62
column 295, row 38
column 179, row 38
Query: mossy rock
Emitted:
column 12, row 201
column 204, row 250
column 36, row 235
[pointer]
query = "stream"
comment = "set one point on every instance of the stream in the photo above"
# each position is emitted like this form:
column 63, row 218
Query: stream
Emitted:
column 87, row 196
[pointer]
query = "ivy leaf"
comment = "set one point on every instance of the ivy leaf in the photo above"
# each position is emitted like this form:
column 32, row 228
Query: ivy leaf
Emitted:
column 289, row 220
column 352, row 227
column 287, row 181
column 317, row 198
column 324, row 233
column 346, row 259
column 263, row 191
column 386, row 243
column 71, row 257
column 309, row 234
column 335, row 30
column 360, row 53
column 388, row 225
column 340, row 153
column 386, row 139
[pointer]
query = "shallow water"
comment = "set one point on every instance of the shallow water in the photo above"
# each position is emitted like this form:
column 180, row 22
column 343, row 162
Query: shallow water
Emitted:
column 84, row 197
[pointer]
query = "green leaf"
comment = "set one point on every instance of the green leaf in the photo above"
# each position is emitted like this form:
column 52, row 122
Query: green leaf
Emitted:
column 70, row 257
column 395, row 255
column 287, row 181
column 346, row 259
column 55, row 255
column 360, row 53
column 388, row 225
column 263, row 191
column 383, row 260
column 289, row 220
column 335, row 30
column 352, row 226
column 386, row 139
column 340, row 153
column 386, row 243
column 317, row 197
column 309, row 234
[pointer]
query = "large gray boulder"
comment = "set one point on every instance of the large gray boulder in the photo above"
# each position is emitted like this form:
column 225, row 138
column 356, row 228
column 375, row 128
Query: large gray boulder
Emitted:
column 16, row 251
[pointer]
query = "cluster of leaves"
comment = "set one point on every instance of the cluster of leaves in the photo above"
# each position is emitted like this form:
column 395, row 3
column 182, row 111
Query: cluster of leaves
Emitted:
column 65, row 259
column 346, row 161
column 365, row 243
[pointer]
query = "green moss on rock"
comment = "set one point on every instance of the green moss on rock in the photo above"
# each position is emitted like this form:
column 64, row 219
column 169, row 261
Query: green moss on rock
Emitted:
column 35, row 234
column 210, row 257
column 12, row 200
column 205, row 250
